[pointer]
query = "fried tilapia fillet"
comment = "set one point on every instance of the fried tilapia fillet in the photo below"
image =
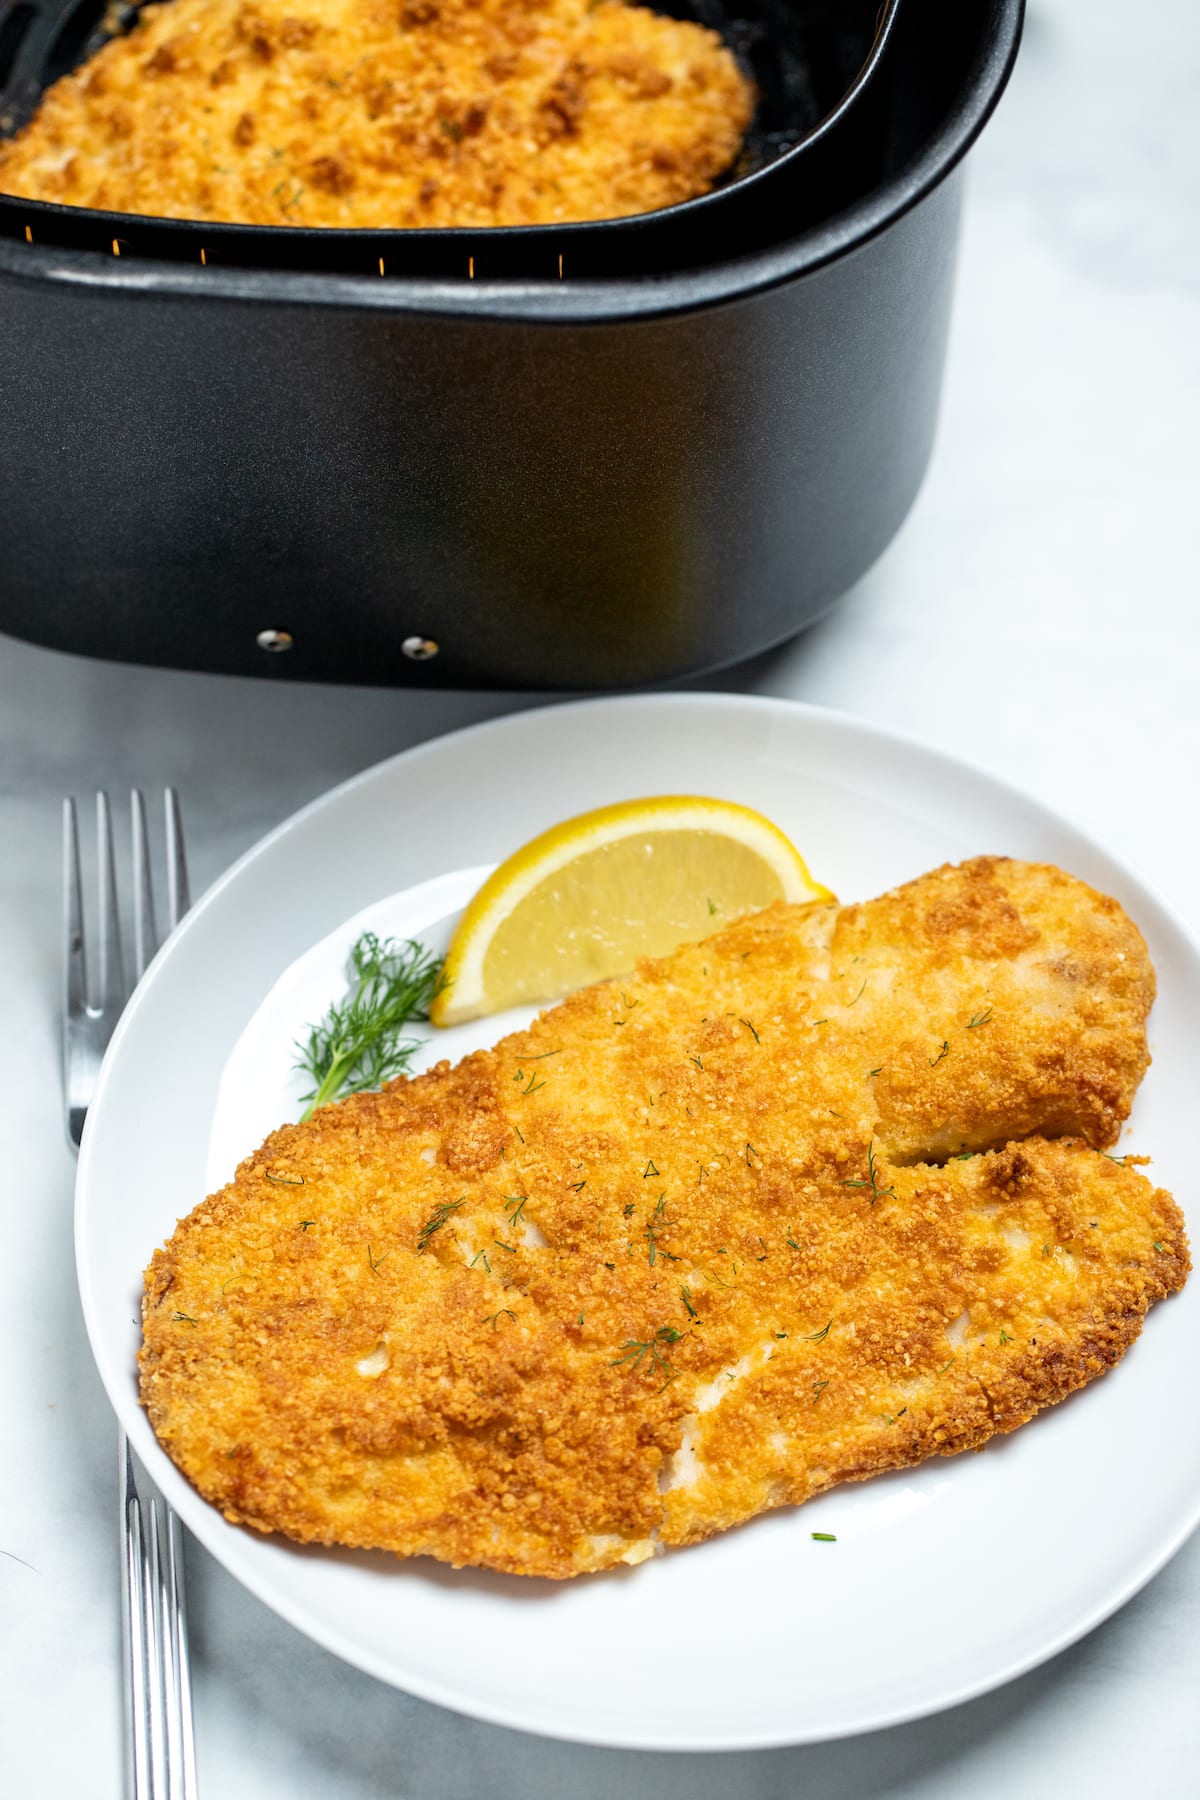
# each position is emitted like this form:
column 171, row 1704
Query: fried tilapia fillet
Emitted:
column 821, row 1196
column 389, row 113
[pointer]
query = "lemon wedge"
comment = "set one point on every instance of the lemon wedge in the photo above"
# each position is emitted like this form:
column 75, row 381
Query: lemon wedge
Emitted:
column 587, row 898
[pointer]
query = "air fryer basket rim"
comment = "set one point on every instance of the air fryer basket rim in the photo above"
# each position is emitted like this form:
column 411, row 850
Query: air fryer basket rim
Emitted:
column 684, row 211
column 548, row 302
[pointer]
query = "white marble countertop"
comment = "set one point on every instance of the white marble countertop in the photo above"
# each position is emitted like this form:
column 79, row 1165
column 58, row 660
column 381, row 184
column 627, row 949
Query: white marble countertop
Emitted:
column 1037, row 614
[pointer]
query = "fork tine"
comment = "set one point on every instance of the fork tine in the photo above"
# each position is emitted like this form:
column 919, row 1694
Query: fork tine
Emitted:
column 178, row 898
column 76, row 1018
column 74, row 954
column 111, row 996
column 145, row 931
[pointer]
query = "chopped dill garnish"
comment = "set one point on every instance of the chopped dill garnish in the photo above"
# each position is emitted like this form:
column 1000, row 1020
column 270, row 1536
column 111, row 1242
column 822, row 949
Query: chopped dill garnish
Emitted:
column 577, row 1187
column 628, row 1210
column 765, row 1253
column 819, row 1388
column 749, row 1152
column 652, row 1229
column 963, row 1155
column 541, row 1057
column 375, row 1260
column 943, row 1368
column 877, row 1193
column 305, row 1223
column 697, row 1062
column 711, row 908
column 493, row 1319
column 1046, row 1250
column 1004, row 1337
column 779, row 1334
column 818, row 1337
column 685, row 1294
column 357, row 1045
column 823, row 1537
column 518, row 1201
column 481, row 1256
column 1119, row 1160
column 943, row 1052
column 859, row 994
column 750, row 1029
column 284, row 1180
column 873, row 1072
column 634, row 1349
column 649, row 1170
column 792, row 1242
column 978, row 1019
column 531, row 1089
column 499, row 1242
column 435, row 1222
column 1159, row 1248
column 519, row 1132
column 817, row 1022
column 186, row 1318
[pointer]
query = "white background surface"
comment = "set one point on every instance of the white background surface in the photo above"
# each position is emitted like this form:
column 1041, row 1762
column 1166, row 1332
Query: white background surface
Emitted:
column 1037, row 614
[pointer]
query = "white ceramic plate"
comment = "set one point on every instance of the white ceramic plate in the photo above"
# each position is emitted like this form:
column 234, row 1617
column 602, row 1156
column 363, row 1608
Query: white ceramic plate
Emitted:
column 943, row 1582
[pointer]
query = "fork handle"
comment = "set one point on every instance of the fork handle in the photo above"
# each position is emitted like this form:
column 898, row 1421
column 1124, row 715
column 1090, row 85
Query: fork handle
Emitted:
column 161, row 1743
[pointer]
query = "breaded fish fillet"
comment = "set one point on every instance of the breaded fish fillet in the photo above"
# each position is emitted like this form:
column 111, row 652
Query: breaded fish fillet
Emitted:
column 821, row 1196
column 388, row 113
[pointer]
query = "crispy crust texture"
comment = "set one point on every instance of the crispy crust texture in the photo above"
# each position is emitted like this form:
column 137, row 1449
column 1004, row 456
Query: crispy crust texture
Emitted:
column 822, row 1196
column 389, row 113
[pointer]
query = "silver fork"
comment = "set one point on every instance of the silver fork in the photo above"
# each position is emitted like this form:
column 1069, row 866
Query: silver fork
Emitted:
column 160, row 1742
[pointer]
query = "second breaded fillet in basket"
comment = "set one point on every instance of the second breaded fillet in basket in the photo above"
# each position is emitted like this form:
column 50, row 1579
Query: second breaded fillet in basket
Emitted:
column 389, row 113
column 824, row 1195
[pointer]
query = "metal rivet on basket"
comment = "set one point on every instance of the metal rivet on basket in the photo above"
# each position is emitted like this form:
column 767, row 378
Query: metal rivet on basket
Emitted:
column 420, row 649
column 275, row 641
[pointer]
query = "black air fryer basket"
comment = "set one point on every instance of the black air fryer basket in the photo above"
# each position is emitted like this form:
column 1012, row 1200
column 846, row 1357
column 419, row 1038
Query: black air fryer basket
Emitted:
column 568, row 456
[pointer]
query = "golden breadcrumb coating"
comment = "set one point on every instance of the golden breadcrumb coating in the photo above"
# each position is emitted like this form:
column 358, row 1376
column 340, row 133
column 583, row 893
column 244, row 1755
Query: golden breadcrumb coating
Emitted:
column 696, row 1244
column 389, row 113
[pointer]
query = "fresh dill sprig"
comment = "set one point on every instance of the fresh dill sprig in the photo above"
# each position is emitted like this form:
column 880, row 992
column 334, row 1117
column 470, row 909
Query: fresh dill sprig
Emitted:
column 877, row 1193
column 357, row 1045
column 634, row 1349
column 435, row 1222
column 652, row 1229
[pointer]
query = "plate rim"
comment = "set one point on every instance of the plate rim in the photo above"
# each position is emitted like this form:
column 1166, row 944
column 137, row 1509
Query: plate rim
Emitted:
column 361, row 1656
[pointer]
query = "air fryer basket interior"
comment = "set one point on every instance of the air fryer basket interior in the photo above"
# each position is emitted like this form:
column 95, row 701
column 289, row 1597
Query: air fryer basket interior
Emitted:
column 811, row 61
